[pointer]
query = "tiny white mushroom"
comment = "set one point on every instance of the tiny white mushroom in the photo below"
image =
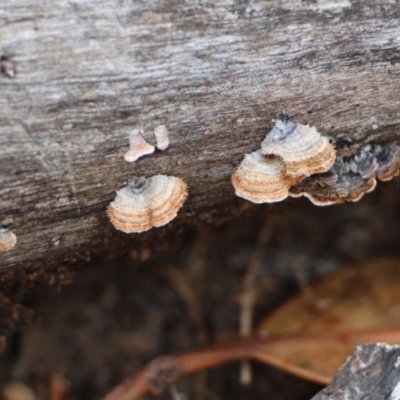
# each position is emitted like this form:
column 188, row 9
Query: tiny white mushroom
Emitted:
column 161, row 133
column 138, row 147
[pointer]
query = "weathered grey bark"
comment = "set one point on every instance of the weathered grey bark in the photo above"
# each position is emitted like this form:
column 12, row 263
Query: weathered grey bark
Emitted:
column 371, row 372
column 215, row 73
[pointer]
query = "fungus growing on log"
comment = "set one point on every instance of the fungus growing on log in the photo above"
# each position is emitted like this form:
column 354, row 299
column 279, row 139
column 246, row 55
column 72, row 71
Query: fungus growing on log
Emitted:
column 345, row 181
column 161, row 134
column 303, row 149
column 388, row 158
column 138, row 147
column 352, row 176
column 296, row 160
column 7, row 239
column 289, row 153
column 146, row 203
column 261, row 179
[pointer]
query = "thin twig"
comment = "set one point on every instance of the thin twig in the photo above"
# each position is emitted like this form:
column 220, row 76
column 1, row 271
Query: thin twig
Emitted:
column 58, row 387
column 298, row 272
column 248, row 296
column 187, row 294
column 173, row 391
column 189, row 286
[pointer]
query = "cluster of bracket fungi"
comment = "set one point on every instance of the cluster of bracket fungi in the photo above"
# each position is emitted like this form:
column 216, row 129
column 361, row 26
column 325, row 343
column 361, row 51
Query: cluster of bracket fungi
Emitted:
column 147, row 202
column 296, row 160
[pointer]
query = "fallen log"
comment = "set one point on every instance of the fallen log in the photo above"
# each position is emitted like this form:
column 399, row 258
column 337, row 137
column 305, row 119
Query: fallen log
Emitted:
column 214, row 74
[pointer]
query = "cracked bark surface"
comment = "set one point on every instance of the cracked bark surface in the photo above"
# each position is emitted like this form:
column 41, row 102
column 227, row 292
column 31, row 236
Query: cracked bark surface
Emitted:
column 214, row 73
column 371, row 372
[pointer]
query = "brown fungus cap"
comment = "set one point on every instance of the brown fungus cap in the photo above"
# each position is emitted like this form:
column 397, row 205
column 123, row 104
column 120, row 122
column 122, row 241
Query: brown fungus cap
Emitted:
column 261, row 179
column 7, row 239
column 339, row 195
column 336, row 186
column 146, row 203
column 303, row 149
column 138, row 147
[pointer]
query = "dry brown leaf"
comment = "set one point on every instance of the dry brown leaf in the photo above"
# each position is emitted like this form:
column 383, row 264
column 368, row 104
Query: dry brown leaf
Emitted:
column 363, row 298
column 361, row 305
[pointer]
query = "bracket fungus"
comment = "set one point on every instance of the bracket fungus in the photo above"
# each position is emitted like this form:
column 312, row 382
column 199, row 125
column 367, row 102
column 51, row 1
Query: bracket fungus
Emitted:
column 7, row 239
column 161, row 134
column 303, row 149
column 288, row 154
column 261, row 179
column 296, row 160
column 343, row 191
column 138, row 147
column 352, row 176
column 147, row 202
column 388, row 158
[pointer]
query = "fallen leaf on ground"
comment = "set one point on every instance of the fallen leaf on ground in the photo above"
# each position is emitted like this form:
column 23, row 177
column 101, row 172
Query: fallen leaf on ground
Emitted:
column 363, row 298
column 361, row 304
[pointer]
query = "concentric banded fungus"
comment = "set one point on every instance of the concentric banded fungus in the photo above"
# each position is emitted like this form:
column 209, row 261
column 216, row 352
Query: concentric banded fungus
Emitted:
column 297, row 159
column 303, row 149
column 161, row 134
column 388, row 158
column 146, row 203
column 7, row 239
column 261, row 179
column 138, row 147
column 338, row 185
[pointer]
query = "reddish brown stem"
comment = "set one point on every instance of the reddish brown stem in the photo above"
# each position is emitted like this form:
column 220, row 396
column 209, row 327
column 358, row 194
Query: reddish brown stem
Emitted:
column 163, row 370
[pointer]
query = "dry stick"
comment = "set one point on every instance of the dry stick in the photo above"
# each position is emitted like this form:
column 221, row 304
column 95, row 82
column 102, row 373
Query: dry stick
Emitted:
column 247, row 298
column 182, row 285
column 165, row 370
column 187, row 294
column 303, row 283
column 58, row 387
column 174, row 392
column 298, row 272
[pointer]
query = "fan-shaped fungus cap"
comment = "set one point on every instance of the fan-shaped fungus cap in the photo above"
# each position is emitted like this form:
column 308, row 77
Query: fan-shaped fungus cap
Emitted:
column 146, row 203
column 336, row 186
column 138, row 147
column 340, row 195
column 7, row 239
column 261, row 179
column 161, row 134
column 388, row 158
column 303, row 149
